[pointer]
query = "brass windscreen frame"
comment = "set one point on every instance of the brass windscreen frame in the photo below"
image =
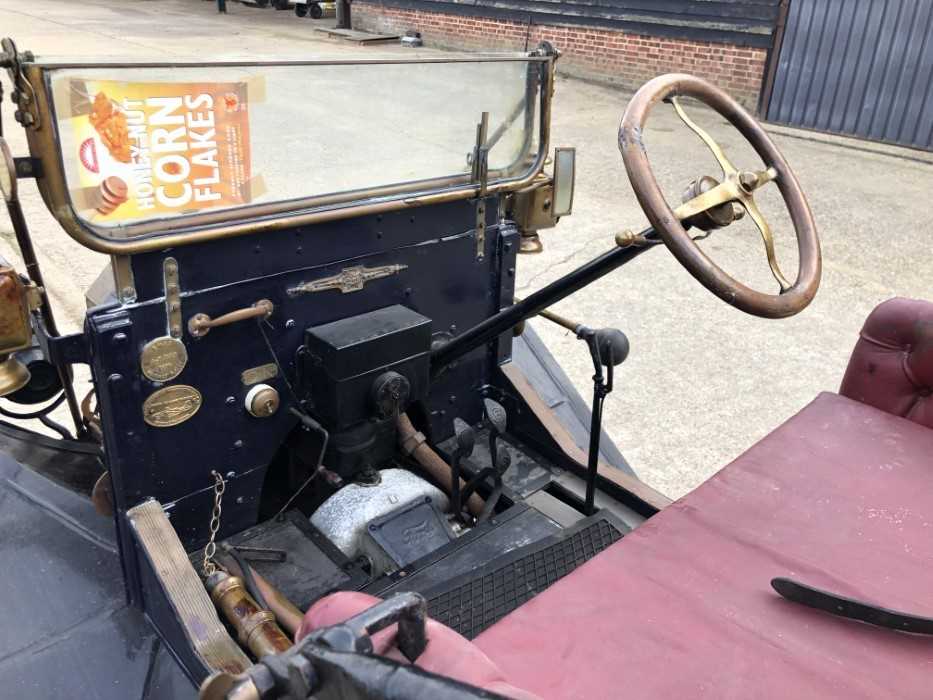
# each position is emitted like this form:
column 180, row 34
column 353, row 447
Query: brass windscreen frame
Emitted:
column 257, row 218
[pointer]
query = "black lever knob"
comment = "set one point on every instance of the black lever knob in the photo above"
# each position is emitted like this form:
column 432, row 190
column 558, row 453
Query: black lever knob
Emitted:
column 613, row 346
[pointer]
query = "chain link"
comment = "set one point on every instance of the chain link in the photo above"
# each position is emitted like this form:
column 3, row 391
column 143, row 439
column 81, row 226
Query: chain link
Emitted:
column 208, row 566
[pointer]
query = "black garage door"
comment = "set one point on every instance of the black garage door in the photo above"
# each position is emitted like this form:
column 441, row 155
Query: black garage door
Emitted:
column 859, row 67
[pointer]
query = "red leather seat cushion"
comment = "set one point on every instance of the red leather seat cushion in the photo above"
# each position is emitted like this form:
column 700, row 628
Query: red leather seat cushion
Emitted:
column 840, row 496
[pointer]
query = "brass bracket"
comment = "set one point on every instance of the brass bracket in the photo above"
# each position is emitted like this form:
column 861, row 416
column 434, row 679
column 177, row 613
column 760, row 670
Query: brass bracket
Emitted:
column 480, row 176
column 24, row 95
column 480, row 229
column 172, row 296
column 351, row 279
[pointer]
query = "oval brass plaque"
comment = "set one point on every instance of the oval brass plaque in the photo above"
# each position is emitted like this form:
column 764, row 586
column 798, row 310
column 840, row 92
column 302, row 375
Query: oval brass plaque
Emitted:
column 171, row 405
column 163, row 359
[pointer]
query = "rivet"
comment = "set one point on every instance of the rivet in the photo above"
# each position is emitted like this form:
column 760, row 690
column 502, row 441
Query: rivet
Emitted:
column 238, row 444
column 452, row 399
column 290, row 323
column 231, row 474
column 231, row 400
column 115, row 378
column 239, row 500
column 119, row 338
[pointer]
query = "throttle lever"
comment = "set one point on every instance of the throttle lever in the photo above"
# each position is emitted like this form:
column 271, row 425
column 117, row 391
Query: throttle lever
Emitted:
column 200, row 324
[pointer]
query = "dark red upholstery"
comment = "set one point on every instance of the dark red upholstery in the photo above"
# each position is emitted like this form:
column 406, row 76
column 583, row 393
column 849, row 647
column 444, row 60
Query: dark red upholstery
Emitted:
column 892, row 365
column 840, row 496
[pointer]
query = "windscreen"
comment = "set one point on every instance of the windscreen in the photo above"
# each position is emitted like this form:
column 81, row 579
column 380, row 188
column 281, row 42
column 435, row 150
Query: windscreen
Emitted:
column 157, row 144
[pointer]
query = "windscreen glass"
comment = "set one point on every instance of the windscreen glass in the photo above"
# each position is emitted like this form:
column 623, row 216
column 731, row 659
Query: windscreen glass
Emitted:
column 143, row 145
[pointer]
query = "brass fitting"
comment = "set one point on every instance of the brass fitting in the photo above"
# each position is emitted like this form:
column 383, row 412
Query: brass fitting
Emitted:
column 256, row 628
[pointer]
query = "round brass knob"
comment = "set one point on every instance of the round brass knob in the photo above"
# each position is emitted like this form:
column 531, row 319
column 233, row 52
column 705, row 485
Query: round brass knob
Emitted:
column 262, row 401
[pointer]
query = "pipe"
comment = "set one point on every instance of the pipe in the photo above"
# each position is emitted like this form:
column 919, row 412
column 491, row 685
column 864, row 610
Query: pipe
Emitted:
column 287, row 614
column 413, row 443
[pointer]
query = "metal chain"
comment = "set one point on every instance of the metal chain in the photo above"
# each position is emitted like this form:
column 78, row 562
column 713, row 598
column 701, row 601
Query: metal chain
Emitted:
column 209, row 567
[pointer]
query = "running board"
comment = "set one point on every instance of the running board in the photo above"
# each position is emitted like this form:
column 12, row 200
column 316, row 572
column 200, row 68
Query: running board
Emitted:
column 475, row 601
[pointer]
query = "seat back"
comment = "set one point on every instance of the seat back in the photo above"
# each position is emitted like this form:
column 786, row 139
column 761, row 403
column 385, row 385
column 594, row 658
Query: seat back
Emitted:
column 891, row 367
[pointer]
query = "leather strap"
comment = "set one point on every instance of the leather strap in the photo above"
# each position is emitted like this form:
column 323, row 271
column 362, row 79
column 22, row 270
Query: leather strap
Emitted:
column 850, row 608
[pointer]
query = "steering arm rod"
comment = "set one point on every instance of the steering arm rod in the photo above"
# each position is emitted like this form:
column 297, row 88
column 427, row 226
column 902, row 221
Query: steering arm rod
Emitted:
column 506, row 319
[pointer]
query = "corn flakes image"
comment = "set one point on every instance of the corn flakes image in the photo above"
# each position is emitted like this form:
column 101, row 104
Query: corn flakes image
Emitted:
column 110, row 124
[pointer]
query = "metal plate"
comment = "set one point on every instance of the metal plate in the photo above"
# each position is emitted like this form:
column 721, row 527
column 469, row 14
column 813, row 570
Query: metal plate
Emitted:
column 172, row 296
column 262, row 373
column 163, row 359
column 171, row 405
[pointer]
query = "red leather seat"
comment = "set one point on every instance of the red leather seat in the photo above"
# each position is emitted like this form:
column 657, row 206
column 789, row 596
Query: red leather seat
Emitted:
column 840, row 497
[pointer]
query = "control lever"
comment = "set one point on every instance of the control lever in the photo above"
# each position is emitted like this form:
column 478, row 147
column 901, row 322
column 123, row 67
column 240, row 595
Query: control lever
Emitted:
column 200, row 324
column 466, row 441
column 608, row 347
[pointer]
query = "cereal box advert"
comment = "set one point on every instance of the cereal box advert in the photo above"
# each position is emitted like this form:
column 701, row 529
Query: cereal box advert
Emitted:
column 152, row 150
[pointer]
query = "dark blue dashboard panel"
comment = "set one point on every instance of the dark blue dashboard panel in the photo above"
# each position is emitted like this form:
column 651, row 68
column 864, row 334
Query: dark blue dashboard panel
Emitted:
column 437, row 244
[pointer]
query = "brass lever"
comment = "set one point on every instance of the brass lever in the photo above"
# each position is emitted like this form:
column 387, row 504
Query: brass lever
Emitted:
column 200, row 324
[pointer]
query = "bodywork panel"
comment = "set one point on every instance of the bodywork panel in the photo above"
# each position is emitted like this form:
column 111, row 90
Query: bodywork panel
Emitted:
column 69, row 631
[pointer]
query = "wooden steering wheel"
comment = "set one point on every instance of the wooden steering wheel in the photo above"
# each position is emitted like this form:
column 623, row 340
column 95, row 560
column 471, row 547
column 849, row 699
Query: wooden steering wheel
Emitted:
column 737, row 186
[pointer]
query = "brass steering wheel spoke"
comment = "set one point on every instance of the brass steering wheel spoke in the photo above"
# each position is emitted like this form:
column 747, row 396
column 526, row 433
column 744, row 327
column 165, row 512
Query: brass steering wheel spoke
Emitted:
column 751, row 207
column 727, row 167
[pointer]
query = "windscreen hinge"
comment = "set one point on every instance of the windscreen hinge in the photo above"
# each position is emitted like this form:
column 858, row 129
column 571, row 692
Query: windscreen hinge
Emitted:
column 480, row 176
column 24, row 95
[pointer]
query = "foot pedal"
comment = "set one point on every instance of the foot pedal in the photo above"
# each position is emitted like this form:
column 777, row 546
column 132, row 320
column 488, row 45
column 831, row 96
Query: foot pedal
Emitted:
column 474, row 602
column 182, row 589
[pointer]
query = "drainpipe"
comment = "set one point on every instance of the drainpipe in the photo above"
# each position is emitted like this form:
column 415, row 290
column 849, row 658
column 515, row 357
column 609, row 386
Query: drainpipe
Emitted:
column 343, row 14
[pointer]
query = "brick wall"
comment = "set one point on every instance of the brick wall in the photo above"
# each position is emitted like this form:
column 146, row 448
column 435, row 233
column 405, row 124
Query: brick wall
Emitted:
column 587, row 52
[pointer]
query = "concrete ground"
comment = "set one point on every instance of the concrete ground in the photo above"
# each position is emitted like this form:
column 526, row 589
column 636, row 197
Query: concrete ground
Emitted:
column 703, row 381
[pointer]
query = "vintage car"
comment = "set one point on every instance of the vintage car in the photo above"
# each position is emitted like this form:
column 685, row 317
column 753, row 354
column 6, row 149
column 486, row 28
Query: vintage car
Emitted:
column 325, row 457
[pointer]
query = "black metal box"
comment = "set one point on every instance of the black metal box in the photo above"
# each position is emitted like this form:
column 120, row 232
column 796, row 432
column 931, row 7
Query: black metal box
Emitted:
column 344, row 358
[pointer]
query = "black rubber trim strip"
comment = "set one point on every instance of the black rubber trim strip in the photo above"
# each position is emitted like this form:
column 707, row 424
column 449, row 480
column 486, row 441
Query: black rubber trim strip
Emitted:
column 850, row 608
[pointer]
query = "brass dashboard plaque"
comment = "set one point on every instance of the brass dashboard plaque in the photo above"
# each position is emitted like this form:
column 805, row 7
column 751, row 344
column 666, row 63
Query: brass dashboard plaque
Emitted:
column 171, row 405
column 255, row 375
column 163, row 359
